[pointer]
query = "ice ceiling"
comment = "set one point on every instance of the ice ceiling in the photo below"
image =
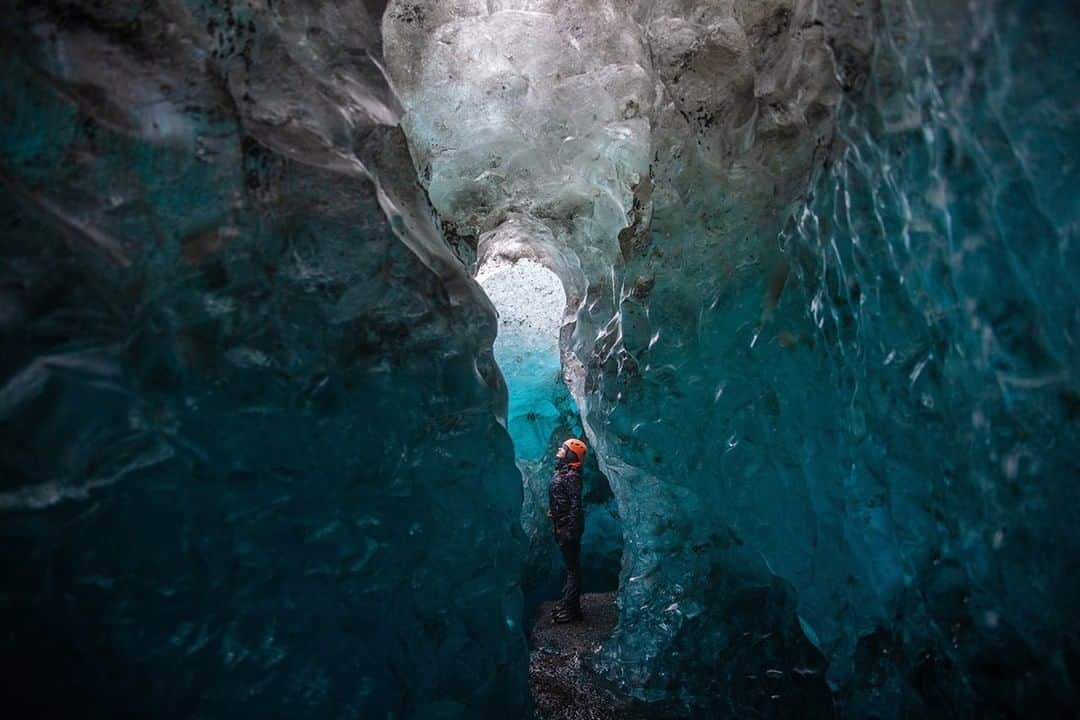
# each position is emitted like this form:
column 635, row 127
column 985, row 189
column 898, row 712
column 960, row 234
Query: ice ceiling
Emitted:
column 818, row 260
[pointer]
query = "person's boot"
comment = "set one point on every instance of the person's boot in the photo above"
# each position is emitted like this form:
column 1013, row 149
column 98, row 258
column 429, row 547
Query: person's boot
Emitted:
column 566, row 615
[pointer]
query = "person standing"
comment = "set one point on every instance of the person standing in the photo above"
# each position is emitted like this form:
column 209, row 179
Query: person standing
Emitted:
column 564, row 501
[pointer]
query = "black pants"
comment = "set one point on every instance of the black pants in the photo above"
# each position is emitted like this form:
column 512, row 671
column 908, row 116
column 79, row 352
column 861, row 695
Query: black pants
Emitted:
column 571, row 555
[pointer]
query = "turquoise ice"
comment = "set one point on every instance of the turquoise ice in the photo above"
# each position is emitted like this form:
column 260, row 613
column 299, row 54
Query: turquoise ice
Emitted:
column 273, row 444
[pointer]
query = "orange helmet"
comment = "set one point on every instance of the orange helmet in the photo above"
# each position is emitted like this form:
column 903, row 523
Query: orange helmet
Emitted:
column 577, row 447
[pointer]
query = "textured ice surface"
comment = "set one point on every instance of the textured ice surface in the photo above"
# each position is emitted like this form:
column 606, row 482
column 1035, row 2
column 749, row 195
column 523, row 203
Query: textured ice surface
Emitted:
column 846, row 453
column 252, row 464
column 531, row 304
column 936, row 269
column 641, row 151
column 821, row 257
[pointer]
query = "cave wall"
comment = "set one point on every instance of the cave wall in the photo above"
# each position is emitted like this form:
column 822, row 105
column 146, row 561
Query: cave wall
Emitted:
column 881, row 402
column 822, row 255
column 541, row 414
column 253, row 462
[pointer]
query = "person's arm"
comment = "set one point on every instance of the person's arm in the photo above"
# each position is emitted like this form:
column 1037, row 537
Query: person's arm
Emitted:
column 577, row 517
column 559, row 501
column 553, row 503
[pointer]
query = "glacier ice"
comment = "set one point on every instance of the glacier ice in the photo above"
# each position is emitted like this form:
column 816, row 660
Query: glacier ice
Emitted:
column 530, row 302
column 531, row 305
column 253, row 461
column 641, row 151
column 821, row 437
column 819, row 264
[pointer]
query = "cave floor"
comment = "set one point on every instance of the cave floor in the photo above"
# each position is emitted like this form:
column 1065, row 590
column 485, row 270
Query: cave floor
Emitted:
column 563, row 686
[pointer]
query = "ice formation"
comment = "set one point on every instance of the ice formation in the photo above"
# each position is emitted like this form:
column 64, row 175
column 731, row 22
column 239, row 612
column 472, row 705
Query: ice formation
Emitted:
column 818, row 260
column 253, row 459
column 531, row 304
column 811, row 439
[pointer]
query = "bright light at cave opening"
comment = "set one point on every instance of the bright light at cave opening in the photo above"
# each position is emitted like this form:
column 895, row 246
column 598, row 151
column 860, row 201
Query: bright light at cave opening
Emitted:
column 531, row 303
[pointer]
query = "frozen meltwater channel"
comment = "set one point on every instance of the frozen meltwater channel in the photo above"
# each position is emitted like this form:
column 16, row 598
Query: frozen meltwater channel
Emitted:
column 531, row 302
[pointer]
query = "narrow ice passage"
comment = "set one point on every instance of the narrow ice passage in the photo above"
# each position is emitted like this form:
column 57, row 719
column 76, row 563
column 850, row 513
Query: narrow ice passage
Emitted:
column 794, row 235
column 819, row 261
column 531, row 303
column 531, row 306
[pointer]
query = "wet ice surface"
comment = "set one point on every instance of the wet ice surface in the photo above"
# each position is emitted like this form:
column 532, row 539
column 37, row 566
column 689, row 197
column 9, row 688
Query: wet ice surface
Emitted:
column 252, row 463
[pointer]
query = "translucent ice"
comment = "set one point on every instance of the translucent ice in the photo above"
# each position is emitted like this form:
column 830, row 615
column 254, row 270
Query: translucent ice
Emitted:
column 531, row 305
column 252, row 463
column 819, row 259
column 843, row 455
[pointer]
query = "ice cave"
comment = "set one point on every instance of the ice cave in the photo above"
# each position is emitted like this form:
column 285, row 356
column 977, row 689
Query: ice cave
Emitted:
column 299, row 297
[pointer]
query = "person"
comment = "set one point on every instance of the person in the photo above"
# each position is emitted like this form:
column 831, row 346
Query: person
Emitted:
column 568, row 520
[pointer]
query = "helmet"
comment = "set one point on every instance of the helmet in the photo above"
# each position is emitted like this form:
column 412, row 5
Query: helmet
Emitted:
column 577, row 447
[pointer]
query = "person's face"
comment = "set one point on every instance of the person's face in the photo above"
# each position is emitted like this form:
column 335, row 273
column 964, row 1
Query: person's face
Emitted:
column 560, row 454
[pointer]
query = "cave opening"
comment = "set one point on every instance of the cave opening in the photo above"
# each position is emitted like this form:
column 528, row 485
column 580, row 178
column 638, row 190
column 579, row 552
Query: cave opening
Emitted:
column 541, row 412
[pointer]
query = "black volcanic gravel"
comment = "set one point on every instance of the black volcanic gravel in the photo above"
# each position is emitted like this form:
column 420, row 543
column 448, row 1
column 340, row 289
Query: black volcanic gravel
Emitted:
column 563, row 686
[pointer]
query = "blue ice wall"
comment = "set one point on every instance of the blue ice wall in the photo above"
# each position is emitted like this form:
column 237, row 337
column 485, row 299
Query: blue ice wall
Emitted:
column 937, row 262
column 251, row 458
column 865, row 440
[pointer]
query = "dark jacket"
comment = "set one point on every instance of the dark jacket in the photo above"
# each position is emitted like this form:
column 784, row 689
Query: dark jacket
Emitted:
column 564, row 500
